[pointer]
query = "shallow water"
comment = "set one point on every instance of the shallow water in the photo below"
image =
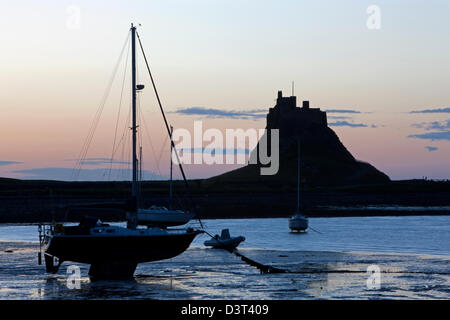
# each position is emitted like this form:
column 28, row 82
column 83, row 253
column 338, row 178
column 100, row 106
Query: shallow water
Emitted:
column 410, row 234
column 412, row 254
column 407, row 234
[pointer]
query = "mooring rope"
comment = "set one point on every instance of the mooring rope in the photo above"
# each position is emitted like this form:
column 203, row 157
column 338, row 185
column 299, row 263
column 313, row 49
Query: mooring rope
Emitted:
column 314, row 230
column 262, row 267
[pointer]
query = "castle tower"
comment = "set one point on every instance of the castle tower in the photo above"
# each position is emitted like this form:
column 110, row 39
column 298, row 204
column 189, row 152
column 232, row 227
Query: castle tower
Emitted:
column 286, row 115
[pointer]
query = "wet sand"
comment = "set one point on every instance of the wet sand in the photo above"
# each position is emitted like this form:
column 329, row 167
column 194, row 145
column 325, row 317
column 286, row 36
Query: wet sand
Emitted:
column 201, row 273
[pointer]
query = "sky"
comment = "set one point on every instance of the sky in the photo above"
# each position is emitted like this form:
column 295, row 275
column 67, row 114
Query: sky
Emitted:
column 221, row 62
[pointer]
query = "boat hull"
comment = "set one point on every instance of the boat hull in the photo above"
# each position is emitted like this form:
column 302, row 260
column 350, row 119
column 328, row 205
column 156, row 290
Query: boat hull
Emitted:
column 93, row 249
column 231, row 243
column 165, row 219
column 298, row 223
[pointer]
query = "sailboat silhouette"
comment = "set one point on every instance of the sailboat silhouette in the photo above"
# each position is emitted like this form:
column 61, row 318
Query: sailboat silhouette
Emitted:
column 113, row 251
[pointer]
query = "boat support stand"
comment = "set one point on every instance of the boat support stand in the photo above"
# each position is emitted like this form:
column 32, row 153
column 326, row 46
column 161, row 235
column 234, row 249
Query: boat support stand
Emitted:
column 50, row 265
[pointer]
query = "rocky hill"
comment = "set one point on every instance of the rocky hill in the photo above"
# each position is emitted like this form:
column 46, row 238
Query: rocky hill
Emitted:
column 324, row 159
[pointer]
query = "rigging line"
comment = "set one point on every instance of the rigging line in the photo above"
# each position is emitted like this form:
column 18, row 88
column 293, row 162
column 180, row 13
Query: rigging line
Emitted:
column 125, row 130
column 120, row 172
column 139, row 132
column 96, row 119
column 166, row 123
column 142, row 121
column 123, row 142
column 139, row 109
column 157, row 162
column 139, row 147
column 162, row 149
column 90, row 136
column 147, row 131
column 151, row 145
column 128, row 155
column 120, row 107
column 125, row 156
column 95, row 122
column 314, row 230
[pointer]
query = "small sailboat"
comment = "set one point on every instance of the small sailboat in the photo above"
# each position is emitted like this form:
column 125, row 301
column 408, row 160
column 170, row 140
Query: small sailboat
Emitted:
column 160, row 216
column 298, row 222
column 225, row 241
column 114, row 251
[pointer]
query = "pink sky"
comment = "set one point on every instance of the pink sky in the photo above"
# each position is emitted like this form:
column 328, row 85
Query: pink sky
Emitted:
column 226, row 56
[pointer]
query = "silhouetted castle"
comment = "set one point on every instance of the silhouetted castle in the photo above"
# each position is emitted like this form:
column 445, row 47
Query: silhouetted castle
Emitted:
column 324, row 159
column 286, row 113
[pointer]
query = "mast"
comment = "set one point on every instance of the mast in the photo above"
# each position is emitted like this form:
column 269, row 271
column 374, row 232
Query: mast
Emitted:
column 298, row 177
column 134, row 127
column 171, row 165
column 140, row 165
column 140, row 171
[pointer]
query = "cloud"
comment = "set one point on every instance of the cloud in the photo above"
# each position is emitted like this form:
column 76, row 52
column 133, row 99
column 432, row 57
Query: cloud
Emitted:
column 90, row 159
column 99, row 161
column 339, row 117
column 218, row 113
column 218, row 150
column 439, row 135
column 97, row 174
column 434, row 125
column 441, row 110
column 7, row 163
column 431, row 148
column 254, row 114
column 442, row 133
column 346, row 124
column 341, row 111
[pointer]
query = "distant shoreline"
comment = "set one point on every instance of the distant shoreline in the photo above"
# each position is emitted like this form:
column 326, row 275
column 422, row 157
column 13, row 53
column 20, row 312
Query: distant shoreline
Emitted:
column 332, row 214
column 30, row 201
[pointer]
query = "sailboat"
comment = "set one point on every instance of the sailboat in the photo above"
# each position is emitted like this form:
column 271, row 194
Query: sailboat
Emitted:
column 161, row 216
column 298, row 222
column 115, row 251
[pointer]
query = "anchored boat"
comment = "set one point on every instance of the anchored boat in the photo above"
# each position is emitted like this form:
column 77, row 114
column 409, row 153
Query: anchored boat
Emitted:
column 225, row 241
column 112, row 251
column 115, row 251
column 298, row 222
column 163, row 217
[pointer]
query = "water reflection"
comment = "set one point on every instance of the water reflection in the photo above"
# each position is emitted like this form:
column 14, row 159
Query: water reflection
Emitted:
column 142, row 287
column 213, row 274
